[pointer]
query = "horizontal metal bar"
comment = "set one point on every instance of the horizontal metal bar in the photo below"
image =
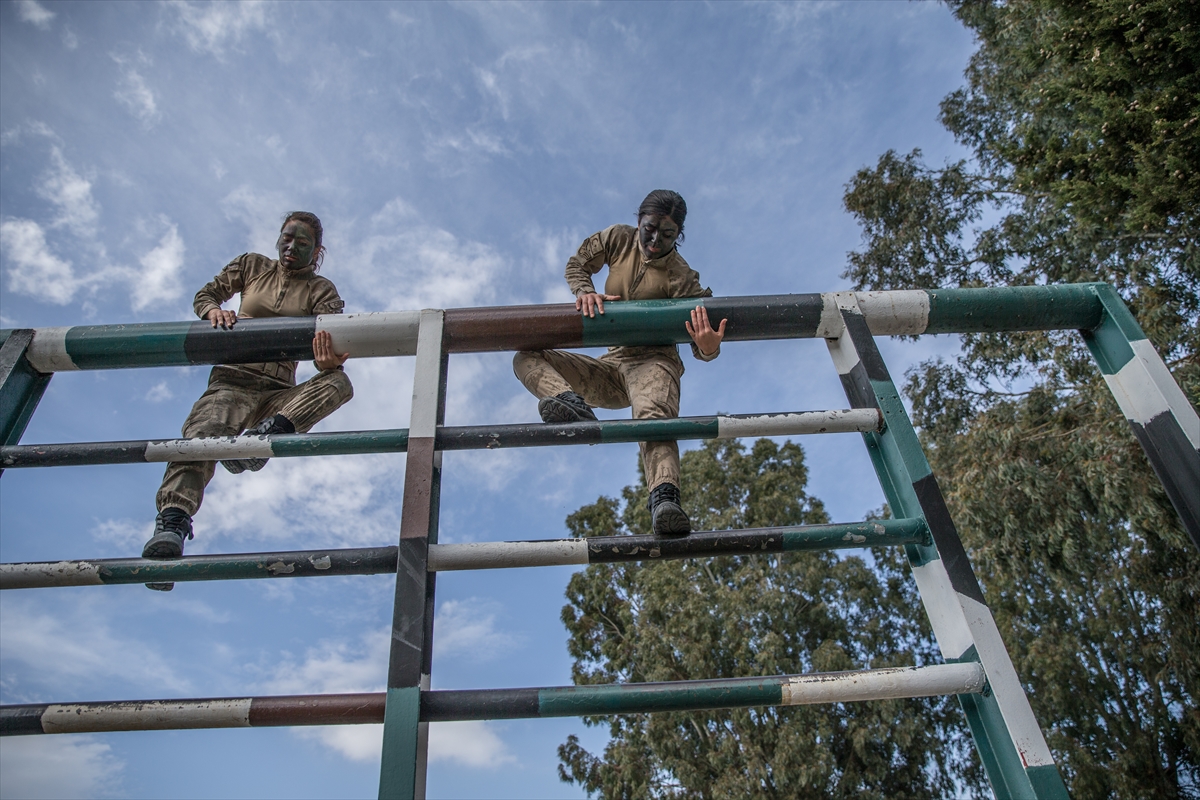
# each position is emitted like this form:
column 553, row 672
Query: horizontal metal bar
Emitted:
column 446, row 706
column 448, row 557
column 641, row 322
column 471, row 437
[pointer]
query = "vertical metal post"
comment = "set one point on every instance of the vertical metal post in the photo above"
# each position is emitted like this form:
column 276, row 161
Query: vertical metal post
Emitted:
column 405, row 737
column 1157, row 409
column 1007, row 736
column 21, row 386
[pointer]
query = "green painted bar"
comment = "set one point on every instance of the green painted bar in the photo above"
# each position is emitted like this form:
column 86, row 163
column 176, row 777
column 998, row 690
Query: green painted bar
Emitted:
column 637, row 322
column 658, row 430
column 1014, row 308
column 640, row 698
column 875, row 533
column 151, row 344
column 1109, row 341
column 398, row 774
column 340, row 444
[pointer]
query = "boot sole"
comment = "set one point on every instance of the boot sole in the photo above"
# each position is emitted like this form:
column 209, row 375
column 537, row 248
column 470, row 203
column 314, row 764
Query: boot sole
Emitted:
column 238, row 466
column 671, row 521
column 167, row 547
column 553, row 410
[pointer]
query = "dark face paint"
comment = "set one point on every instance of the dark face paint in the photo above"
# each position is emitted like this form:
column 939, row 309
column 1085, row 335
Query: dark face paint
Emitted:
column 656, row 235
column 296, row 245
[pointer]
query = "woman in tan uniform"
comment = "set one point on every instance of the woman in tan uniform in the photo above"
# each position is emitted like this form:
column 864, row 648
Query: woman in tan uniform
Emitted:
column 262, row 398
column 643, row 264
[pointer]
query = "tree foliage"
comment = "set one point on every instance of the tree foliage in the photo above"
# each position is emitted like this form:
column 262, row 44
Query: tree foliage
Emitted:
column 771, row 614
column 1082, row 118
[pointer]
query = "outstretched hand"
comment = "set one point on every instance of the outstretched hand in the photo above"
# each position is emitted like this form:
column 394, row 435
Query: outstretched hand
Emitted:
column 592, row 302
column 323, row 353
column 702, row 333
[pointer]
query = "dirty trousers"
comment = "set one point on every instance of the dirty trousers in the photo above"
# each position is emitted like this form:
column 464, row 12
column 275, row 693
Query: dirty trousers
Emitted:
column 645, row 377
column 235, row 401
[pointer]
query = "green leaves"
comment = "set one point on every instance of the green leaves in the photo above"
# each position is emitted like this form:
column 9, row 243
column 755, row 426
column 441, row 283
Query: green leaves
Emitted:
column 765, row 615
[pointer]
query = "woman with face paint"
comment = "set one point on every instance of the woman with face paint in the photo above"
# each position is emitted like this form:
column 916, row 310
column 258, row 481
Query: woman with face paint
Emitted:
column 259, row 398
column 643, row 264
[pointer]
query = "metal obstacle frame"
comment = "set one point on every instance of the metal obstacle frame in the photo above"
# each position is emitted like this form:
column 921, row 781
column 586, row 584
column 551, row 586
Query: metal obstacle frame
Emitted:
column 977, row 669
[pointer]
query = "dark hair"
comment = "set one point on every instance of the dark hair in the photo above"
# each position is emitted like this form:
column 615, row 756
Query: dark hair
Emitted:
column 313, row 221
column 665, row 203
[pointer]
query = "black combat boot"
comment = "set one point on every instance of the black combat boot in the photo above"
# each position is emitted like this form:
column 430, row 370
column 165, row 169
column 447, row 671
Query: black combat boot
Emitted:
column 666, row 511
column 276, row 424
column 565, row 407
column 172, row 527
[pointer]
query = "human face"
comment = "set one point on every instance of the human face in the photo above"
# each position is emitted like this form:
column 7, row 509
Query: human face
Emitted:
column 297, row 244
column 656, row 235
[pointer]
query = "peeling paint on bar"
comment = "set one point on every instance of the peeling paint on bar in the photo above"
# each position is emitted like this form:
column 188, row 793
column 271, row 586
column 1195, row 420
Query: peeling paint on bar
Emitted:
column 146, row 715
column 479, row 555
column 474, row 704
column 447, row 438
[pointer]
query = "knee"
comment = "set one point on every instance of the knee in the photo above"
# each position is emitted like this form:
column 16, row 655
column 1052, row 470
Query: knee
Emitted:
column 525, row 361
column 338, row 380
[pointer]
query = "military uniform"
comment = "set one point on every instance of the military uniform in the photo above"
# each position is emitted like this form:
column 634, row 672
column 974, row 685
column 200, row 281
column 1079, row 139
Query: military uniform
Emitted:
column 646, row 378
column 242, row 395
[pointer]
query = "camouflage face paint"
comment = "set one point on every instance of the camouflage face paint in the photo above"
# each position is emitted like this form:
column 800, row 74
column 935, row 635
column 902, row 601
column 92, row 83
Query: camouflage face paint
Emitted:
column 296, row 245
column 656, row 235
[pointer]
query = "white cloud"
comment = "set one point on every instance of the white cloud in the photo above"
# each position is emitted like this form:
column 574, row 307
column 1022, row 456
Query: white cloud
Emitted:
column 36, row 271
column 56, row 767
column 261, row 212
column 71, row 193
column 161, row 267
column 406, row 264
column 471, row 743
column 337, row 667
column 312, row 502
column 209, row 27
column 159, row 392
column 135, row 94
column 35, row 14
column 67, row 651
column 126, row 536
column 468, row 627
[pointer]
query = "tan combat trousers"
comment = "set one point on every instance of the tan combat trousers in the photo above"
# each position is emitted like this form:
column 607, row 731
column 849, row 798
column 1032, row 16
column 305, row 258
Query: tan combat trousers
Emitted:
column 235, row 401
column 645, row 377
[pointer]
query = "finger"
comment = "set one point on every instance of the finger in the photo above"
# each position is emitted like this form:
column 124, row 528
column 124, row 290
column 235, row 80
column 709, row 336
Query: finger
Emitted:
column 721, row 328
column 691, row 331
column 600, row 303
column 578, row 303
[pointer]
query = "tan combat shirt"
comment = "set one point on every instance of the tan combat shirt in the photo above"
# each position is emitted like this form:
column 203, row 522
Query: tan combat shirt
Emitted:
column 632, row 276
column 269, row 290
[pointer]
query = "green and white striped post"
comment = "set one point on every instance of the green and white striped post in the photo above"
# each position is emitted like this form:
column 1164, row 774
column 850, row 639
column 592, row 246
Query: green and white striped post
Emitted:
column 1163, row 420
column 21, row 386
column 1010, row 743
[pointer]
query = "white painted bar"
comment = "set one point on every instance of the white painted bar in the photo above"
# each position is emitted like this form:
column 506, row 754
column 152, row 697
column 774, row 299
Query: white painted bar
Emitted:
column 1145, row 388
column 884, row 684
column 903, row 311
column 48, row 351
column 148, row 715
column 373, row 334
column 211, row 449
column 59, row 573
column 852, row 420
column 506, row 555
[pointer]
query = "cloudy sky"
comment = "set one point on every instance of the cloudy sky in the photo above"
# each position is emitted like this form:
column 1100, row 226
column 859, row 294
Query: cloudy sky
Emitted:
column 457, row 154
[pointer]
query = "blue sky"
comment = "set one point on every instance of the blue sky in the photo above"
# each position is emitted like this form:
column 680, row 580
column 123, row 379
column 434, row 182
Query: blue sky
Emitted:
column 457, row 154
